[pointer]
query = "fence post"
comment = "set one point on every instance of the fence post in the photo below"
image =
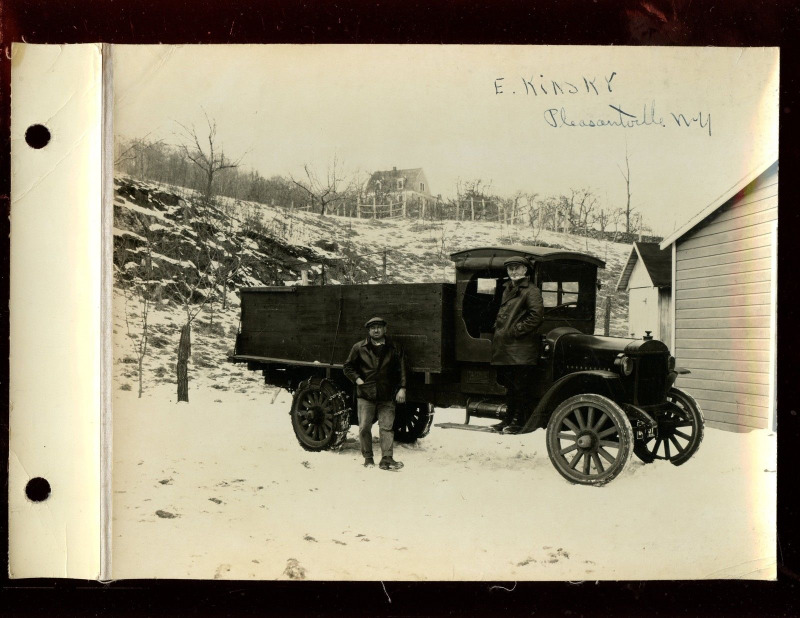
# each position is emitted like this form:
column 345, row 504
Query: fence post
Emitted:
column 606, row 315
column 374, row 208
column 472, row 207
column 384, row 265
column 405, row 208
column 358, row 208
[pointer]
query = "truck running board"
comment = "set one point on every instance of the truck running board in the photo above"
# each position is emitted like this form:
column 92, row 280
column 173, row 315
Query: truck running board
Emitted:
column 467, row 427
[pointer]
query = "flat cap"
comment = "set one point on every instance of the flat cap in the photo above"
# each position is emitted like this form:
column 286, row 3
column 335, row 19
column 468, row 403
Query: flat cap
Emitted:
column 375, row 320
column 517, row 259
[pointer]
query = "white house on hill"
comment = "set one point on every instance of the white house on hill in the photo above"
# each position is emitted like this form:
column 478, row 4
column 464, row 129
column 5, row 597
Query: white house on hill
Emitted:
column 410, row 183
column 724, row 282
column 647, row 277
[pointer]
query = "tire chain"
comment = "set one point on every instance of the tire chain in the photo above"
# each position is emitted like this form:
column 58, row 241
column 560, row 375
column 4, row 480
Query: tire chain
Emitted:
column 341, row 421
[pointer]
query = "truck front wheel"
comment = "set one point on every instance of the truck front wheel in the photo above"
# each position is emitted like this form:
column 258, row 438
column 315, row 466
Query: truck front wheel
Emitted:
column 412, row 421
column 681, row 425
column 319, row 415
column 589, row 439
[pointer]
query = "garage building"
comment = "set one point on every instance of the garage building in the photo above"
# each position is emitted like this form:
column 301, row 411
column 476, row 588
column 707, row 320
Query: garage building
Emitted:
column 724, row 282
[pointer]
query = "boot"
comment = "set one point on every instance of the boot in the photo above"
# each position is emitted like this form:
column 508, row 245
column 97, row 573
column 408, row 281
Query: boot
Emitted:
column 387, row 463
column 512, row 428
column 369, row 462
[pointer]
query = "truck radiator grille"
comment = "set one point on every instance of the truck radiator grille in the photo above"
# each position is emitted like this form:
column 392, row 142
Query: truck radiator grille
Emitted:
column 651, row 373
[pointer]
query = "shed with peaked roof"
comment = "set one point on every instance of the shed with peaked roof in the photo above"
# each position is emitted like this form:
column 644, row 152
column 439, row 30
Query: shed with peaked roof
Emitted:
column 724, row 281
column 647, row 277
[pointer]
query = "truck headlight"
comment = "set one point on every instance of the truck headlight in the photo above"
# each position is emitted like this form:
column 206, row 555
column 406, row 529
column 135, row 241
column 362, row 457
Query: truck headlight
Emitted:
column 624, row 364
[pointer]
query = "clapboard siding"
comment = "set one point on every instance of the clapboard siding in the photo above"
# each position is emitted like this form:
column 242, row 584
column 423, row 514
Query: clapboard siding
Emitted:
column 732, row 322
column 739, row 266
column 725, row 312
column 725, row 258
column 731, row 236
column 734, row 373
column 741, row 356
column 700, row 366
column 746, row 289
column 725, row 248
column 725, row 397
column 682, row 343
column 721, row 332
column 723, row 270
column 732, row 300
column 711, row 281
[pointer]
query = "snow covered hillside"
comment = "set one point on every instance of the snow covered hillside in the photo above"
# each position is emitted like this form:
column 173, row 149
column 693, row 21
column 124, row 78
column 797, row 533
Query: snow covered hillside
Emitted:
column 253, row 244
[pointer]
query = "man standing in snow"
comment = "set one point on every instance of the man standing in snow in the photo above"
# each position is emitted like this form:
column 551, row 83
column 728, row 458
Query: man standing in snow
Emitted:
column 515, row 345
column 377, row 366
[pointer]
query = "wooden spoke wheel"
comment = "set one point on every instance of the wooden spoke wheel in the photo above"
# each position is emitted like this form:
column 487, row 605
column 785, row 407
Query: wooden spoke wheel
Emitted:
column 589, row 439
column 412, row 421
column 320, row 416
column 680, row 431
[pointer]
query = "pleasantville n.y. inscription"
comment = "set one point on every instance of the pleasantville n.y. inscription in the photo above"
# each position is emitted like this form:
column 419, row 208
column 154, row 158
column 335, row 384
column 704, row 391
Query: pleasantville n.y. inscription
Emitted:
column 614, row 115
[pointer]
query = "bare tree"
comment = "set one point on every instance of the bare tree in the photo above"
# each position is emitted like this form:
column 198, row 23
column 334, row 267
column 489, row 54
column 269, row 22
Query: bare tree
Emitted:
column 137, row 292
column 210, row 159
column 627, row 176
column 328, row 190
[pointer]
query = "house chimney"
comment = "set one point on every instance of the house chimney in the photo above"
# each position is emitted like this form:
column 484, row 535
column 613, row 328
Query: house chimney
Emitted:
column 394, row 169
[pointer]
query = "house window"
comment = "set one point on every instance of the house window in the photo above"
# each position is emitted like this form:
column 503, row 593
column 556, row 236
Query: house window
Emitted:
column 400, row 183
column 422, row 187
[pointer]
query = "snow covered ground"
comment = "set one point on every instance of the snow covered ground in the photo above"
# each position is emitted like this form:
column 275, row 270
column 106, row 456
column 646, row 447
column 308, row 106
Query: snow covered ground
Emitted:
column 219, row 488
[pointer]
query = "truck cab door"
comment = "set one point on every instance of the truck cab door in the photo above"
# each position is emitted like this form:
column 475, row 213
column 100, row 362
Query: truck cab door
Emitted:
column 477, row 303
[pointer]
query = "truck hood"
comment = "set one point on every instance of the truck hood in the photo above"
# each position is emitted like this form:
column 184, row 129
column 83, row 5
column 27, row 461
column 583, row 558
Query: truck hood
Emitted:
column 577, row 350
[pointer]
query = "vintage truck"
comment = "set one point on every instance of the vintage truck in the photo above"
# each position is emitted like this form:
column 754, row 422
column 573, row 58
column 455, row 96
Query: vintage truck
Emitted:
column 605, row 397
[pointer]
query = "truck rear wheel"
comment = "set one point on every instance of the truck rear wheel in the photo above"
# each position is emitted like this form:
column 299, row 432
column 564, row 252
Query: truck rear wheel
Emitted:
column 589, row 439
column 682, row 427
column 320, row 417
column 412, row 421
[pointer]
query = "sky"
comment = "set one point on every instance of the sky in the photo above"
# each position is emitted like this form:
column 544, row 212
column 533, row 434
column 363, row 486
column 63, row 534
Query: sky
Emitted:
column 537, row 119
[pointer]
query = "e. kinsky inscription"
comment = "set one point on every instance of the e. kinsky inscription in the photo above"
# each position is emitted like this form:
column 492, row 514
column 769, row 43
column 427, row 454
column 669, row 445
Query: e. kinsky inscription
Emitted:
column 614, row 115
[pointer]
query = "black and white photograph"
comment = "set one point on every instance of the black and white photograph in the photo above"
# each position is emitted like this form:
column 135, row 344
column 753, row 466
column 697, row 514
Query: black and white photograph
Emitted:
column 444, row 312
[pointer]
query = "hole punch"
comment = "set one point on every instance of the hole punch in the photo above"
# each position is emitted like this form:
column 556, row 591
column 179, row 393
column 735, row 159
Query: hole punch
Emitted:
column 37, row 136
column 37, row 489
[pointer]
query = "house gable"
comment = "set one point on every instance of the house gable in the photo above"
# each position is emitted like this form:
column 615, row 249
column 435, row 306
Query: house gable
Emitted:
column 655, row 262
column 394, row 181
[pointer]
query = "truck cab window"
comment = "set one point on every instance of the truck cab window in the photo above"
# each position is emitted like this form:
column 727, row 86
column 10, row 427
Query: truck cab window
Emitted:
column 481, row 304
column 568, row 290
column 555, row 293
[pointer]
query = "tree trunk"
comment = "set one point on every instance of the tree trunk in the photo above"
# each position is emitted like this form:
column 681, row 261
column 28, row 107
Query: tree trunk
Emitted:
column 141, row 358
column 184, row 352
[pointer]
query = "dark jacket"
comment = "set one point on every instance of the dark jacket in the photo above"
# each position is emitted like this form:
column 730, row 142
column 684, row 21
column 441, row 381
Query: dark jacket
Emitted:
column 383, row 373
column 516, row 341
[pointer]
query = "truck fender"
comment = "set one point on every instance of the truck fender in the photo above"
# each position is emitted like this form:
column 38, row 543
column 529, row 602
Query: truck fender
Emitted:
column 597, row 381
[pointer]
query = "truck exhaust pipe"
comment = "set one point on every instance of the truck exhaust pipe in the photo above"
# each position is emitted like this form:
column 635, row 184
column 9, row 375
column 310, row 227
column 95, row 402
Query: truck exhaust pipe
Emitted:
column 485, row 408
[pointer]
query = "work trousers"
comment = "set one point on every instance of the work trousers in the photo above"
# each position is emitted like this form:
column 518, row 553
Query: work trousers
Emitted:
column 519, row 381
column 366, row 416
